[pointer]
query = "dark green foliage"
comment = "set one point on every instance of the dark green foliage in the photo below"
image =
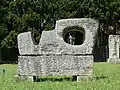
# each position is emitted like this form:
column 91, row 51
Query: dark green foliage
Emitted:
column 18, row 16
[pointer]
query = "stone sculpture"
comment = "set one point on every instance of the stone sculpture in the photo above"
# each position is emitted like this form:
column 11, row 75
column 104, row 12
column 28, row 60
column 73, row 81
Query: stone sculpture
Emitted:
column 53, row 56
column 114, row 46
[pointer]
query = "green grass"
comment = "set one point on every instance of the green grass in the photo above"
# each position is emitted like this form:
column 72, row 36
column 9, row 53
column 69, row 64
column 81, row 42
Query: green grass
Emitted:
column 107, row 78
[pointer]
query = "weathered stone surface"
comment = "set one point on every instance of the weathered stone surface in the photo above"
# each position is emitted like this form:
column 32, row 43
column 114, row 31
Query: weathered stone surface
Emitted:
column 53, row 56
column 84, row 78
column 55, row 65
column 114, row 46
column 52, row 41
column 49, row 43
column 90, row 26
column 26, row 45
column 24, row 78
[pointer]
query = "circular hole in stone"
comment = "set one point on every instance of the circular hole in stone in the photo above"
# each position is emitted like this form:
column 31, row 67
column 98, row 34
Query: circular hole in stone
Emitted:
column 74, row 35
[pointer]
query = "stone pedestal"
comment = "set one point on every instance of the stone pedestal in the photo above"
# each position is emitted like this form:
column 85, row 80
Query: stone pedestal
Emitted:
column 84, row 78
column 55, row 65
column 24, row 78
column 114, row 46
column 114, row 60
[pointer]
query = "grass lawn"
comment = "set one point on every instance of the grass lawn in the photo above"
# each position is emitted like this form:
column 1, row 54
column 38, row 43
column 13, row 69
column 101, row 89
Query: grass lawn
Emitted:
column 107, row 78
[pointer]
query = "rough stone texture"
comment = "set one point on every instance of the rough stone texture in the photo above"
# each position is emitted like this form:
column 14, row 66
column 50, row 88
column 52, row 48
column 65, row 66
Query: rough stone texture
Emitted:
column 90, row 27
column 26, row 45
column 114, row 46
column 55, row 65
column 24, row 78
column 81, row 78
column 52, row 41
column 53, row 56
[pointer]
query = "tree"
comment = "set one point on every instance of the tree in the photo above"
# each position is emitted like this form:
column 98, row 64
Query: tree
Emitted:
column 18, row 16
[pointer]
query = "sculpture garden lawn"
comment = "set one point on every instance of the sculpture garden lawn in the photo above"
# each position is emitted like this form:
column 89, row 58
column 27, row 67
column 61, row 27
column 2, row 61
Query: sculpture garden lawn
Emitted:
column 107, row 77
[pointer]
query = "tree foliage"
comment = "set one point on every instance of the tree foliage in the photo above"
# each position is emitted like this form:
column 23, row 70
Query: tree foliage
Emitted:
column 18, row 16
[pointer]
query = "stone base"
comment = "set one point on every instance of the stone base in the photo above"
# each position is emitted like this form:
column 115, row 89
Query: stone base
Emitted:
column 55, row 65
column 114, row 60
column 24, row 78
column 81, row 78
column 34, row 78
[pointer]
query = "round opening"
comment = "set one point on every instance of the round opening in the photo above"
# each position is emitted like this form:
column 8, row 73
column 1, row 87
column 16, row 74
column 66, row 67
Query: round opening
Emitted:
column 74, row 35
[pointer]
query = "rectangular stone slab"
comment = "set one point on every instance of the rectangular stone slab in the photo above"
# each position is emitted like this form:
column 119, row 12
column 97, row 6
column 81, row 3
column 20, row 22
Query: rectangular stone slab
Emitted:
column 55, row 65
column 114, row 46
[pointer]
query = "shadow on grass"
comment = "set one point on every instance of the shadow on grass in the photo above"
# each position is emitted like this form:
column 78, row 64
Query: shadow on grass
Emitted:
column 100, row 77
column 73, row 78
column 52, row 79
